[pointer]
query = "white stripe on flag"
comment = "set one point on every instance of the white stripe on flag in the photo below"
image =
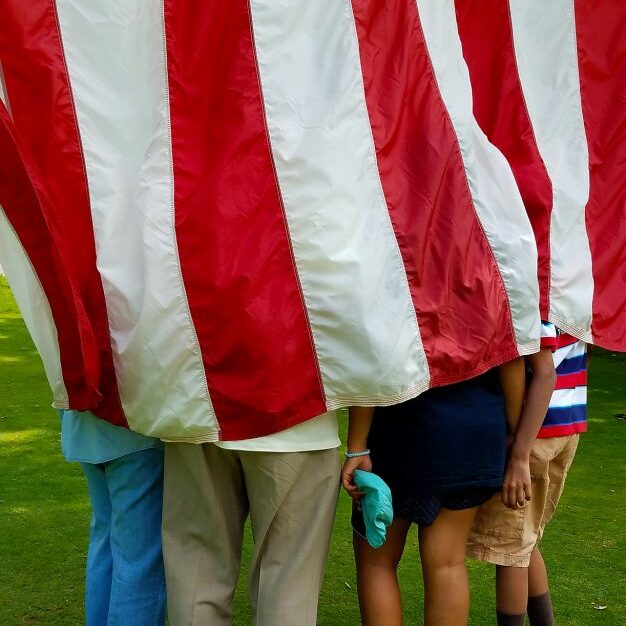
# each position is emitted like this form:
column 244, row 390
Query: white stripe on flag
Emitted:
column 115, row 53
column 353, row 279
column 562, row 398
column 34, row 307
column 547, row 60
column 494, row 192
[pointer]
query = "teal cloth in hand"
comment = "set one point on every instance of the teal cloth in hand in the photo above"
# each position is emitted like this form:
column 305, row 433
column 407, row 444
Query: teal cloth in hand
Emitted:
column 376, row 506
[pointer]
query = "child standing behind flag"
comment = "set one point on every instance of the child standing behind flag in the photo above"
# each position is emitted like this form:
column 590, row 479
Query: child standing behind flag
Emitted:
column 443, row 455
column 510, row 538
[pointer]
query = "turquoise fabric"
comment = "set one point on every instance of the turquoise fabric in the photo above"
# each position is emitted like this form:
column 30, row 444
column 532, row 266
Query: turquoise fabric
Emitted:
column 87, row 439
column 376, row 506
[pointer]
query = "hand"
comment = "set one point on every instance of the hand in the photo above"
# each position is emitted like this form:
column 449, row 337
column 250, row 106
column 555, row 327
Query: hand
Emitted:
column 347, row 474
column 516, row 487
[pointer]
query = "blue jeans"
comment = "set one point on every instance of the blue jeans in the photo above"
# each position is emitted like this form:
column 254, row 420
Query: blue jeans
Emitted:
column 125, row 583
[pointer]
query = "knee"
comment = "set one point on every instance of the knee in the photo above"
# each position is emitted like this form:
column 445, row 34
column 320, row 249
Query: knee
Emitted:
column 443, row 559
column 370, row 558
column 365, row 564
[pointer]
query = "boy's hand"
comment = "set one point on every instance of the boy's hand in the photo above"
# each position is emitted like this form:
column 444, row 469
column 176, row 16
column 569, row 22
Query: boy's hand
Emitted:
column 516, row 487
column 347, row 474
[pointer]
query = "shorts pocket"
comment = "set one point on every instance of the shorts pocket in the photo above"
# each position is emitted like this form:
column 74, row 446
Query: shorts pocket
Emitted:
column 493, row 519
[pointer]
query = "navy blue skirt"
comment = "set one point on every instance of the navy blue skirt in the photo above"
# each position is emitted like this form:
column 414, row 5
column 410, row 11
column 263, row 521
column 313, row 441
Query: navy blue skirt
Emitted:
column 447, row 445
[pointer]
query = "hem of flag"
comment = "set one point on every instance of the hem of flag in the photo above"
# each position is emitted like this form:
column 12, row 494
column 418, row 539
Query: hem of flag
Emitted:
column 209, row 437
column 570, row 328
column 387, row 400
column 532, row 347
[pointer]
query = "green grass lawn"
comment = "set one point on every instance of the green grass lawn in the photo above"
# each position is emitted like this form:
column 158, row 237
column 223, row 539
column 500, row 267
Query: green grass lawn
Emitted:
column 44, row 512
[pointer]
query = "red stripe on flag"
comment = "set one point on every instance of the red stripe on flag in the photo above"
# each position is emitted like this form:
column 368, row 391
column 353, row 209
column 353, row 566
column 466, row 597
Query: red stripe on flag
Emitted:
column 234, row 248
column 21, row 196
column 42, row 107
column 602, row 64
column 571, row 381
column 500, row 109
column 456, row 288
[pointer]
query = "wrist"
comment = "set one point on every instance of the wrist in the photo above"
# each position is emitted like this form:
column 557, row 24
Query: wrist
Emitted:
column 519, row 454
column 354, row 454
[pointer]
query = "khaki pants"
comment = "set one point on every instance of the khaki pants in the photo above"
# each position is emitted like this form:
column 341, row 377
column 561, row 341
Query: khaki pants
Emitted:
column 291, row 498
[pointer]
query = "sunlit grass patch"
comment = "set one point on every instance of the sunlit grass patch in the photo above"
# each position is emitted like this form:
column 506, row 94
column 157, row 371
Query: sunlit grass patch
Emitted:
column 21, row 436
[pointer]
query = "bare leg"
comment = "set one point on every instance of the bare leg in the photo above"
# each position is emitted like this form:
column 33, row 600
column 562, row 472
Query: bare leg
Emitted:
column 442, row 549
column 377, row 579
column 537, row 575
column 511, row 590
column 540, row 611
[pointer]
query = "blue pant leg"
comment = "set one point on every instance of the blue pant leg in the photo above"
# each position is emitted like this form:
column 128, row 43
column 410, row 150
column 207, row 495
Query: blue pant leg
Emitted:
column 138, row 587
column 99, row 561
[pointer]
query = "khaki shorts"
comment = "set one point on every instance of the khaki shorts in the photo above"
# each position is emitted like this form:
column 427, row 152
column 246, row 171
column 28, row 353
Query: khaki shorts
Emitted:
column 508, row 536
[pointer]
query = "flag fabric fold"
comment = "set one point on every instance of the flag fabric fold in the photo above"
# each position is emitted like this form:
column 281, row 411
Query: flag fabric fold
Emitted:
column 549, row 83
column 258, row 211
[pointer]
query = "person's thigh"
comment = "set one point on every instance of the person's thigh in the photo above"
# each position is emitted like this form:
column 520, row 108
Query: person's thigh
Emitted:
column 204, row 510
column 293, row 497
column 99, row 562
column 380, row 600
column 389, row 554
column 138, row 587
column 442, row 551
column 443, row 543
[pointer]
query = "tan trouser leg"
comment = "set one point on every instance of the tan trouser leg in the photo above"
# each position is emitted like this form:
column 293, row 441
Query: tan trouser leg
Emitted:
column 293, row 497
column 204, row 510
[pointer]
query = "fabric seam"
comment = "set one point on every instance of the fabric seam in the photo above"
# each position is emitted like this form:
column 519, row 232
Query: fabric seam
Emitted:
column 85, row 182
column 268, row 142
column 191, row 328
column 543, row 164
column 419, row 345
column 65, row 399
column 448, row 117
column 583, row 334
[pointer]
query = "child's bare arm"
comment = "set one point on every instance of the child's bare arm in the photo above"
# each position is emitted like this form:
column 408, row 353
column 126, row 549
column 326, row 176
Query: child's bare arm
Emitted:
column 516, row 489
column 513, row 383
column 537, row 400
column 360, row 420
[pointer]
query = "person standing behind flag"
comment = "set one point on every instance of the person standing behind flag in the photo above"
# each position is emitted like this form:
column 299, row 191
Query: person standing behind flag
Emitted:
column 510, row 538
column 443, row 455
column 125, row 581
column 288, row 484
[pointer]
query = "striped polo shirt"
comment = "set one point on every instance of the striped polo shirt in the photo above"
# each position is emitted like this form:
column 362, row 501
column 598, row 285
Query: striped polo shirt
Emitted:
column 567, row 413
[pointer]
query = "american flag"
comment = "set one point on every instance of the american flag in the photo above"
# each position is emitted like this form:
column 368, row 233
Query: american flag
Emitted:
column 223, row 218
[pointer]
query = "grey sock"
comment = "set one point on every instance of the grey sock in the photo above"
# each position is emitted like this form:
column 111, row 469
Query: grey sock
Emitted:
column 511, row 620
column 540, row 611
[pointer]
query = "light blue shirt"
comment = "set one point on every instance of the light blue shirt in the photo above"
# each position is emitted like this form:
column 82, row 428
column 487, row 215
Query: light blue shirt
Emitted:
column 87, row 439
